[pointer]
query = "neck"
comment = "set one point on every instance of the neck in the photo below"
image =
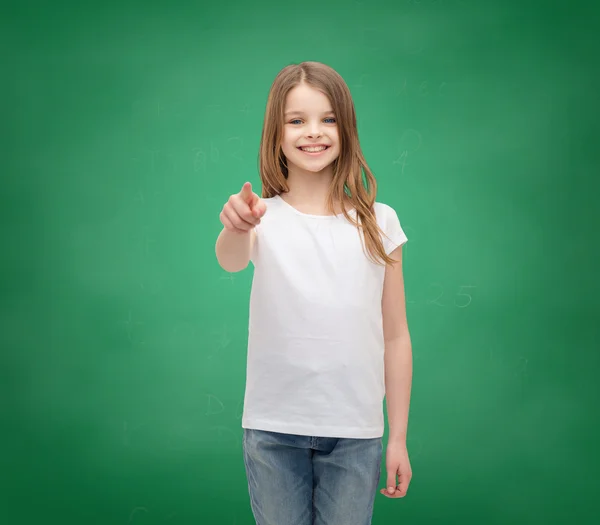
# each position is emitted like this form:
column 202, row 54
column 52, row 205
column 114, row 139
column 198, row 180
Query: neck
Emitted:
column 309, row 188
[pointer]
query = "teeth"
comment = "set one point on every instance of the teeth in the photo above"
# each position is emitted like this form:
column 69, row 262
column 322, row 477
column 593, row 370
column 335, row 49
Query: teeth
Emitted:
column 314, row 150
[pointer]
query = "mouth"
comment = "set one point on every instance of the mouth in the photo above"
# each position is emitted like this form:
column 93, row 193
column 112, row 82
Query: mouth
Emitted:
column 314, row 150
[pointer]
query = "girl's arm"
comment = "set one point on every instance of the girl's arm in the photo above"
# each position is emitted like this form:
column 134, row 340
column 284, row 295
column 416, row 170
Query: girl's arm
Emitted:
column 240, row 215
column 233, row 249
column 398, row 351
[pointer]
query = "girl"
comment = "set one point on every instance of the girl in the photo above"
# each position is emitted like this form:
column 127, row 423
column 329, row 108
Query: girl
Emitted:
column 328, row 335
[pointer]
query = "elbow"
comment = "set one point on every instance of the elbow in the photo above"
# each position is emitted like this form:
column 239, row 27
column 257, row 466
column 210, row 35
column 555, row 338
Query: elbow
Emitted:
column 233, row 269
column 232, row 266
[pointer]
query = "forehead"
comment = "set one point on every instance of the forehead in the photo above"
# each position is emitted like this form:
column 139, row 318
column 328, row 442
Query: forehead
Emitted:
column 304, row 98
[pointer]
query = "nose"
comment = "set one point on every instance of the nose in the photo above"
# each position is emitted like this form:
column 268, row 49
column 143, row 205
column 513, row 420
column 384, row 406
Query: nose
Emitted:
column 314, row 130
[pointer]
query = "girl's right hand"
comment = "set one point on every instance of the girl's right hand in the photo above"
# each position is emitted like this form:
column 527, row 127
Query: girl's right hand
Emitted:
column 243, row 210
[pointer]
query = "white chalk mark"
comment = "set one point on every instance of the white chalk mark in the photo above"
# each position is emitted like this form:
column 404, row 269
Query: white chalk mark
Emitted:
column 227, row 277
column 135, row 511
column 402, row 161
column 214, row 153
column 214, row 405
column 462, row 294
column 235, row 151
column 403, row 89
column 225, row 431
column 436, row 300
column 223, row 338
column 199, row 160
column 240, row 410
column 129, row 326
column 411, row 140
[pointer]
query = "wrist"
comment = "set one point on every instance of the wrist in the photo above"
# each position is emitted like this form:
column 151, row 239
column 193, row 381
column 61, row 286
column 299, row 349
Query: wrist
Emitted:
column 397, row 440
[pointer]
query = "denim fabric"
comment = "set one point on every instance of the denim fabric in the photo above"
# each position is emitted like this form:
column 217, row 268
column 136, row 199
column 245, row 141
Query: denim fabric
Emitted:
column 305, row 480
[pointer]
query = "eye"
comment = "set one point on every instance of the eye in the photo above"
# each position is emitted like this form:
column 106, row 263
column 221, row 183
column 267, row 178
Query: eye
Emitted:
column 332, row 119
column 295, row 120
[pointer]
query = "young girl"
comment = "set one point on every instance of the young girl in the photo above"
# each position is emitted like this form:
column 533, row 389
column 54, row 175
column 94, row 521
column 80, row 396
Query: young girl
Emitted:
column 328, row 335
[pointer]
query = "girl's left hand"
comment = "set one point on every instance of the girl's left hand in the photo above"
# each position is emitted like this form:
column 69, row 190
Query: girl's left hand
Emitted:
column 397, row 464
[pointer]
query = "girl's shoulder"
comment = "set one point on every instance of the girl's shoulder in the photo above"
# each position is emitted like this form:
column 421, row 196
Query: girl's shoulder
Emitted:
column 384, row 212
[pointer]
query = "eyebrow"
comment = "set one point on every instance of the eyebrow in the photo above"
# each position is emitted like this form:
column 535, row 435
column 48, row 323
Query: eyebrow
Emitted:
column 298, row 112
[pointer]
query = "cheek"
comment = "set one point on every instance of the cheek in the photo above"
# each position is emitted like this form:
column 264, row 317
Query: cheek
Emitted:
column 289, row 141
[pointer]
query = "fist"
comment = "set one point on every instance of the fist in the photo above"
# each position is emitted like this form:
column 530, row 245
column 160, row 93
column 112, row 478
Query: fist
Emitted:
column 243, row 210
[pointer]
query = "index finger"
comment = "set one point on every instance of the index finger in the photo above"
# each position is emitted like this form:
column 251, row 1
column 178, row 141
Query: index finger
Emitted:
column 246, row 192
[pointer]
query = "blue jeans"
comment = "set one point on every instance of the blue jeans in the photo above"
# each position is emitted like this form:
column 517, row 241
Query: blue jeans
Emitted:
column 304, row 480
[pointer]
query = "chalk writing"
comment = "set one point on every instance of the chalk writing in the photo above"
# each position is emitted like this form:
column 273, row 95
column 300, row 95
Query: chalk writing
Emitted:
column 223, row 338
column 136, row 511
column 214, row 405
column 239, row 412
column 401, row 160
column 214, row 153
column 199, row 160
column 130, row 324
column 464, row 296
column 234, row 151
column 462, row 299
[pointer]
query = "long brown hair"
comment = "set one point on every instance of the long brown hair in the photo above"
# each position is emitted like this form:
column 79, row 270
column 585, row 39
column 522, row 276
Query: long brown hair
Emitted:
column 353, row 181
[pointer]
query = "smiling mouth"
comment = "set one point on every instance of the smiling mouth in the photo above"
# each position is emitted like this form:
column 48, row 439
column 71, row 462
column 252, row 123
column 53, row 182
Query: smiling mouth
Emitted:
column 314, row 150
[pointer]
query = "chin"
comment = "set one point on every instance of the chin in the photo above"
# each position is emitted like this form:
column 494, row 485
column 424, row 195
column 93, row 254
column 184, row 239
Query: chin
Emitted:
column 315, row 166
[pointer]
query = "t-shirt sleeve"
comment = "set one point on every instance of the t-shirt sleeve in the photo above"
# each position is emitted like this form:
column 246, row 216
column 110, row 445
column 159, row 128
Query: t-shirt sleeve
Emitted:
column 394, row 234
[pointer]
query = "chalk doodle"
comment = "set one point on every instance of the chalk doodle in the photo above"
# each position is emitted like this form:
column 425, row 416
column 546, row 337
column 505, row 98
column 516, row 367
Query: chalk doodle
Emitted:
column 222, row 431
column 462, row 299
column 135, row 512
column 402, row 161
column 223, row 338
column 409, row 142
column 235, row 149
column 214, row 153
column 464, row 296
column 240, row 410
column 130, row 325
column 214, row 405
column 228, row 276
column 199, row 162
column 422, row 88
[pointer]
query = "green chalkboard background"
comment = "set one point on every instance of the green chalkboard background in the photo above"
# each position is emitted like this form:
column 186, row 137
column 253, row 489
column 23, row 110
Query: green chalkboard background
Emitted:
column 126, row 125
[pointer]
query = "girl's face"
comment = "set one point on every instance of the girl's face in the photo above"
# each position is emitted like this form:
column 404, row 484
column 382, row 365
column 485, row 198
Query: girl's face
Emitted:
column 310, row 133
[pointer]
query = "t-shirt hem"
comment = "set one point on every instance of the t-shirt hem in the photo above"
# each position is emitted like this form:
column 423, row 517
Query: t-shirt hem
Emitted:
column 394, row 242
column 307, row 430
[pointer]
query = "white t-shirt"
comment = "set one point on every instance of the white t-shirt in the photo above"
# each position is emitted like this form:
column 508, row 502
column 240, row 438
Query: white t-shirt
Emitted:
column 315, row 347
